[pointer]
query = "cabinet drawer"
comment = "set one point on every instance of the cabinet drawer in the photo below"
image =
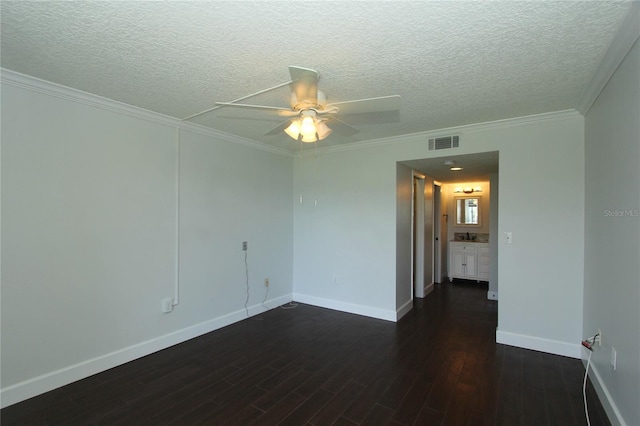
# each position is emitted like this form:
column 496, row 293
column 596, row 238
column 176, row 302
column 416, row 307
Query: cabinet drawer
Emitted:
column 469, row 246
column 465, row 247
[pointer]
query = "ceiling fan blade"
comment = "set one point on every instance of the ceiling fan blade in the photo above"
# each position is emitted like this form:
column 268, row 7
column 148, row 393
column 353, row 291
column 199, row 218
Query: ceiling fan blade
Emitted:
column 236, row 100
column 265, row 107
column 284, row 112
column 279, row 129
column 304, row 84
column 377, row 118
column 339, row 127
column 359, row 106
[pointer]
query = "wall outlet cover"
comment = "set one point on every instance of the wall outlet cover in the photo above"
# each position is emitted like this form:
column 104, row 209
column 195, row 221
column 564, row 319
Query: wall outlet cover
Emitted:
column 167, row 305
column 508, row 237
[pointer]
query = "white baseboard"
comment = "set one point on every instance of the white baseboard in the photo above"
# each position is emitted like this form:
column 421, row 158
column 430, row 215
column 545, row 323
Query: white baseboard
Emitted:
column 428, row 288
column 492, row 295
column 351, row 308
column 538, row 344
column 55, row 379
column 608, row 404
column 404, row 310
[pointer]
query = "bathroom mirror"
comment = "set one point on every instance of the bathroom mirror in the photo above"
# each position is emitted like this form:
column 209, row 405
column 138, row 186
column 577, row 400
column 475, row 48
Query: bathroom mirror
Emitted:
column 467, row 211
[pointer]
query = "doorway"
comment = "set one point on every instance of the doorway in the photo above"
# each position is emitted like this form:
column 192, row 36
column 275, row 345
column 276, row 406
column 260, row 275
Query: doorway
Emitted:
column 440, row 180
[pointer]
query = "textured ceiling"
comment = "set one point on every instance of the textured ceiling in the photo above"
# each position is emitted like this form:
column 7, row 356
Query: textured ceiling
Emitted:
column 453, row 62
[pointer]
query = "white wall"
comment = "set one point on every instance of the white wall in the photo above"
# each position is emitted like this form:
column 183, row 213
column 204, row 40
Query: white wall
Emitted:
column 344, row 246
column 230, row 194
column 612, row 239
column 89, row 234
column 541, row 273
column 352, row 232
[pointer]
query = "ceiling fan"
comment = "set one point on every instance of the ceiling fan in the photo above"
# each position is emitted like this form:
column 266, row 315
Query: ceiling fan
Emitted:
column 309, row 112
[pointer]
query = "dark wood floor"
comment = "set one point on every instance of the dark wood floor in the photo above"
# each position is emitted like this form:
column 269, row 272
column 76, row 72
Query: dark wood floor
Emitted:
column 439, row 365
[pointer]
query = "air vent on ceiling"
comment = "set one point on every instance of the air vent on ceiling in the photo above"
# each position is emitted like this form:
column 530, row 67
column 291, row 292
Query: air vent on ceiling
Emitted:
column 444, row 142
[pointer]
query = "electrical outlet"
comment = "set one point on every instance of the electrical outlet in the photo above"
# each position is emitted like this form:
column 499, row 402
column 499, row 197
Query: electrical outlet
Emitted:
column 244, row 246
column 266, row 282
column 508, row 237
column 167, row 305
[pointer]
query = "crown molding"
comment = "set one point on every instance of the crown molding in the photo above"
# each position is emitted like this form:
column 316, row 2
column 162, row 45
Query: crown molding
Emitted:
column 37, row 85
column 467, row 128
column 624, row 40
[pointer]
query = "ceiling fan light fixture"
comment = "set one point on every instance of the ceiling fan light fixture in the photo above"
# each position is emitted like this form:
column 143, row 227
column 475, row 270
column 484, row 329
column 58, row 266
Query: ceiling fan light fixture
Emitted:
column 322, row 130
column 308, row 127
column 302, row 129
column 293, row 130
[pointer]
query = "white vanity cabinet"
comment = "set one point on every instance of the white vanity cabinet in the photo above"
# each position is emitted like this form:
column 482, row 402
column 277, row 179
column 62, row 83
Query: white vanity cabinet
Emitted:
column 469, row 260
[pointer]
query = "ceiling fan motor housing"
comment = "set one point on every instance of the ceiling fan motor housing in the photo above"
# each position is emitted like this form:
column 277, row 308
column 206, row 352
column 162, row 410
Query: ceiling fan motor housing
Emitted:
column 317, row 104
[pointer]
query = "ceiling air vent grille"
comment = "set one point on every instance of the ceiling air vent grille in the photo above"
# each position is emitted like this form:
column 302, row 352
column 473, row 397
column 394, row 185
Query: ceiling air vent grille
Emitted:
column 444, row 142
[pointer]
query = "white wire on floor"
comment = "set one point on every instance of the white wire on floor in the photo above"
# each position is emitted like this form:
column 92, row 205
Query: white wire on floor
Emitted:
column 584, row 389
column 290, row 305
column 266, row 293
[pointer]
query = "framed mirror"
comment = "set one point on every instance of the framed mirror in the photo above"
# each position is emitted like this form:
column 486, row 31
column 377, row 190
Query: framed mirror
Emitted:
column 467, row 211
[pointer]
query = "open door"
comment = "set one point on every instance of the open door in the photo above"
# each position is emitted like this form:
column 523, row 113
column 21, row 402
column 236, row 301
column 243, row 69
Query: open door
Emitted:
column 418, row 255
column 423, row 235
column 437, row 232
column 428, row 236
